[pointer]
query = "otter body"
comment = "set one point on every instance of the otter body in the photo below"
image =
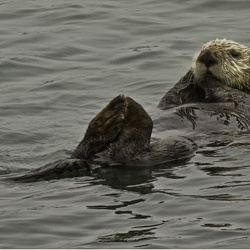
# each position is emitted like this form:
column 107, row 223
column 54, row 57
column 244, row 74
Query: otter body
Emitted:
column 212, row 97
column 220, row 72
column 214, row 94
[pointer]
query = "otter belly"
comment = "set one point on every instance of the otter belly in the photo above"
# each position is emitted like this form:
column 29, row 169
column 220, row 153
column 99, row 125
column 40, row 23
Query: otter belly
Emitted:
column 191, row 120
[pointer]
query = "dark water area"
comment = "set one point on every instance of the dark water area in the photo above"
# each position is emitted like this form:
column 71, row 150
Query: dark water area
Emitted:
column 60, row 63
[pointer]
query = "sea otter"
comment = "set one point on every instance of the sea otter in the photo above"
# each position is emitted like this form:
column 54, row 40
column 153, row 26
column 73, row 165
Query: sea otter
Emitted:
column 220, row 72
column 212, row 96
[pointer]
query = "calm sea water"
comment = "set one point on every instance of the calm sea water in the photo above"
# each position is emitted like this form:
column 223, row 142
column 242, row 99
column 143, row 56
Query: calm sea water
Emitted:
column 60, row 63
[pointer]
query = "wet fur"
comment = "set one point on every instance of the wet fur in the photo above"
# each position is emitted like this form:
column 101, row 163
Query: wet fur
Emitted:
column 232, row 67
column 120, row 134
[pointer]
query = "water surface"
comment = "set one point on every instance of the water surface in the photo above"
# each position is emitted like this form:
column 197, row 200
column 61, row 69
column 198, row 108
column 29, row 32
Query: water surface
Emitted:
column 60, row 63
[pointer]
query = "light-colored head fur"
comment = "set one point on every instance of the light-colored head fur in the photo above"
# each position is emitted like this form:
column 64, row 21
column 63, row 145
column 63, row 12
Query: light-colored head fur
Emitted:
column 230, row 63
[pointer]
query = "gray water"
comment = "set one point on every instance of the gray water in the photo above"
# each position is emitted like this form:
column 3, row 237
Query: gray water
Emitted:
column 60, row 63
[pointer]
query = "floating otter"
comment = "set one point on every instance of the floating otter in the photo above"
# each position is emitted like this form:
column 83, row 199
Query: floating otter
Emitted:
column 212, row 96
column 227, row 61
column 220, row 67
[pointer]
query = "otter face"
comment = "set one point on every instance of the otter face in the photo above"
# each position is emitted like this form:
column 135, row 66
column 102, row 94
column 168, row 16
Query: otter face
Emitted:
column 226, row 60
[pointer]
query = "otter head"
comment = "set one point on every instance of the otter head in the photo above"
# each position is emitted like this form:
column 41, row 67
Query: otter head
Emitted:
column 225, row 60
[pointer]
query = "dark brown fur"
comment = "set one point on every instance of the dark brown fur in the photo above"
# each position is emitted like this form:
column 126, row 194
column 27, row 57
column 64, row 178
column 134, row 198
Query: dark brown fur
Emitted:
column 207, row 97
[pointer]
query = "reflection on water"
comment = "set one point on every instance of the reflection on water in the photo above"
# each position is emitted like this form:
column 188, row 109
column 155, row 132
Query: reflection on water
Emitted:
column 61, row 62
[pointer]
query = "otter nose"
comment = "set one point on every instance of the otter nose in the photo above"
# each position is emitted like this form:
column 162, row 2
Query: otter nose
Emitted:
column 208, row 59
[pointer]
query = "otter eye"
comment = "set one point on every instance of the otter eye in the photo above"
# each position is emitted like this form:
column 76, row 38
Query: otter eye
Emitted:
column 234, row 53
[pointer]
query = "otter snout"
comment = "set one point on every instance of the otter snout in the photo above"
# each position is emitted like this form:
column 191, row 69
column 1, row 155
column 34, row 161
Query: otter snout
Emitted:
column 207, row 59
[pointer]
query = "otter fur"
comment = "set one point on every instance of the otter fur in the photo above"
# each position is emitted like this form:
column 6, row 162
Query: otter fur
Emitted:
column 213, row 95
column 220, row 72
column 227, row 61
